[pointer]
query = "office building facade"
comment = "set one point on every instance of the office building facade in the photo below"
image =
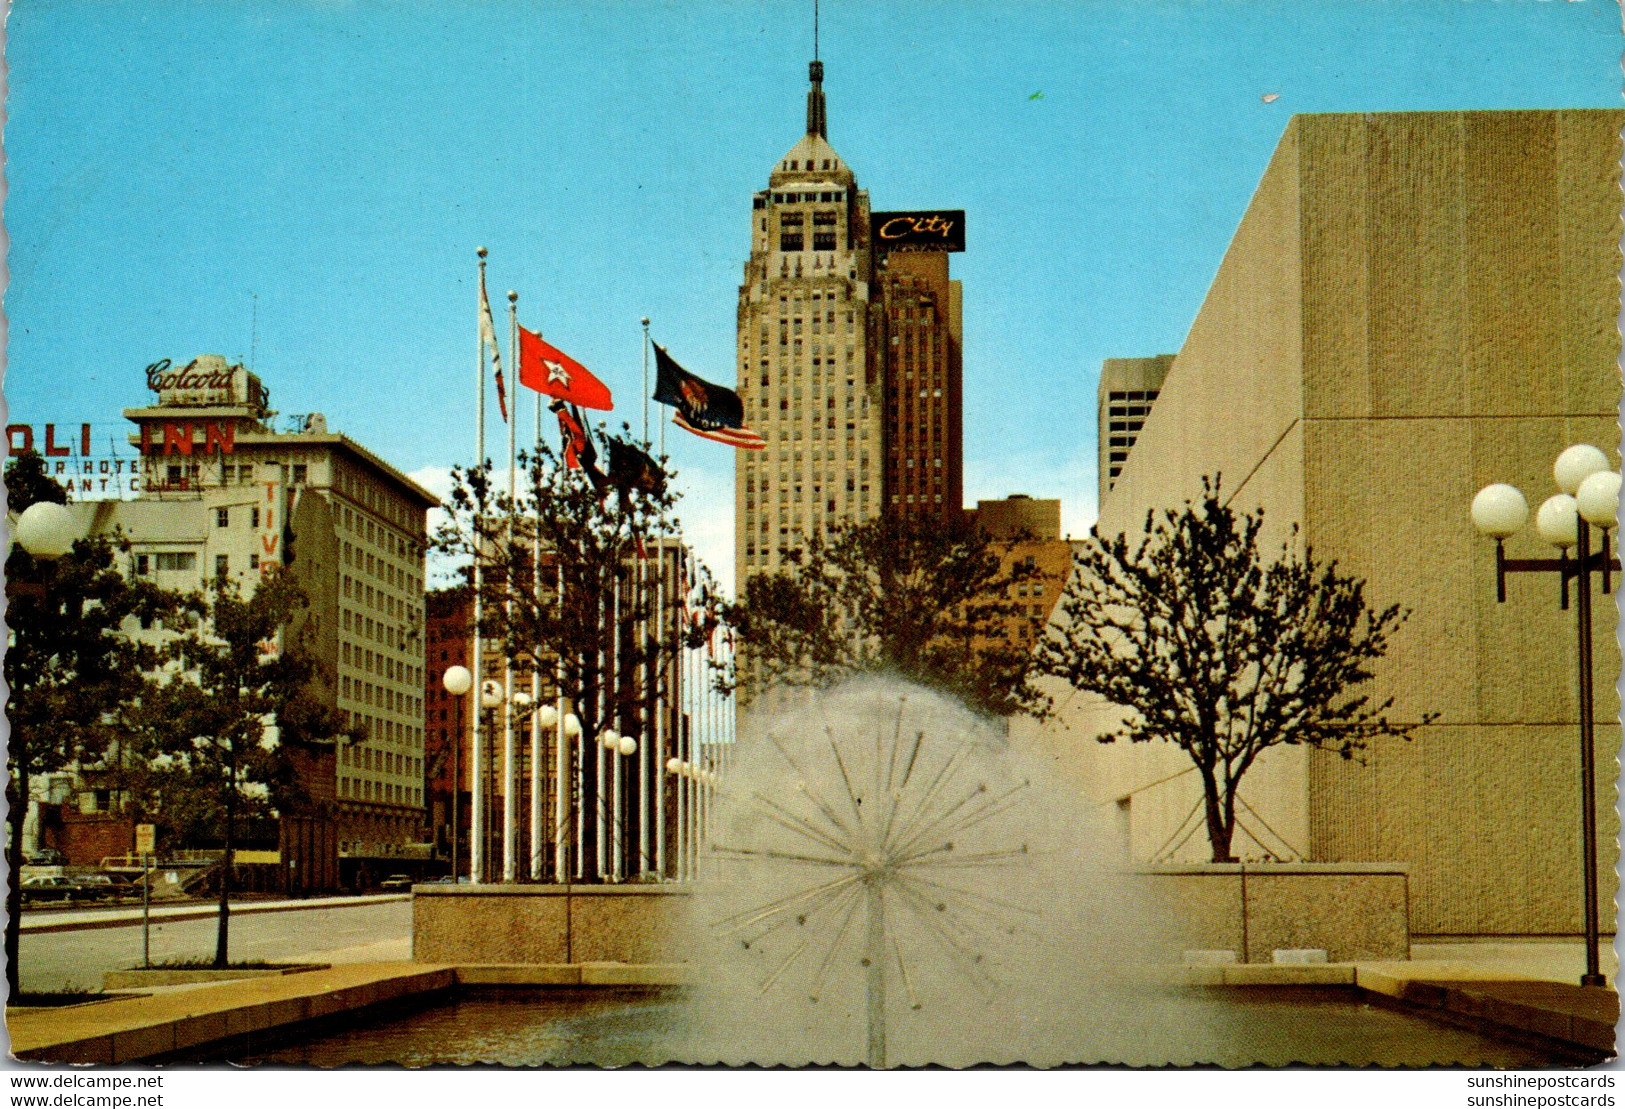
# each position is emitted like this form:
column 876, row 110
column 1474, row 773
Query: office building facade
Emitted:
column 225, row 494
column 848, row 356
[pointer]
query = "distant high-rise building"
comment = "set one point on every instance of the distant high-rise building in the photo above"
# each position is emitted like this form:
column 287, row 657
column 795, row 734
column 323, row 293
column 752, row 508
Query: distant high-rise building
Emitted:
column 849, row 356
column 1128, row 387
column 1026, row 534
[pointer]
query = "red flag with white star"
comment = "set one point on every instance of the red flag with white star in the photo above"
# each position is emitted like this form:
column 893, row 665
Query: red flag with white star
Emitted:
column 547, row 369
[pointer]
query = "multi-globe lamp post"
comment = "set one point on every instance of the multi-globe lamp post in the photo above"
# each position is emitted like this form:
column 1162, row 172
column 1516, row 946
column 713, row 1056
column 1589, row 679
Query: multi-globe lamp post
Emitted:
column 1589, row 498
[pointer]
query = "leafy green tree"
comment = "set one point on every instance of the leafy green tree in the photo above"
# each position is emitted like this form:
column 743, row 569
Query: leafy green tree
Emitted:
column 243, row 694
column 78, row 681
column 1220, row 650
column 924, row 599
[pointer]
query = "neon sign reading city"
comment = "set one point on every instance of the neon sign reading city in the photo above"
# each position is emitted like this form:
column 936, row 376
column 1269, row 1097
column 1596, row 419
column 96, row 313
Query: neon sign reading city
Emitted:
column 921, row 230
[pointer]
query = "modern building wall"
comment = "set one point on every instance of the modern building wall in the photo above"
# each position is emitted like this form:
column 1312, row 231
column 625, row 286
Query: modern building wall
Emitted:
column 1415, row 305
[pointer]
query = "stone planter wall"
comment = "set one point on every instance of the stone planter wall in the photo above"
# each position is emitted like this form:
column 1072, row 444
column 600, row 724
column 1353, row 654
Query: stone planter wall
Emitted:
column 548, row 924
column 1353, row 911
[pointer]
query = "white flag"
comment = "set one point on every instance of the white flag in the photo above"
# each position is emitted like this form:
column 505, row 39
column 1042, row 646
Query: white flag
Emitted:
column 488, row 338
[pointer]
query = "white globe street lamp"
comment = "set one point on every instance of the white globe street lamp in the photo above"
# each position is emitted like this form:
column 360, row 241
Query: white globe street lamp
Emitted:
column 46, row 530
column 458, row 681
column 1589, row 498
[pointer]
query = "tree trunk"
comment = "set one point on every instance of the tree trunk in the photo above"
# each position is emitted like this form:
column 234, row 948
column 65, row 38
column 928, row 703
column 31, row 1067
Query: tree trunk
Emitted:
column 1221, row 819
column 17, row 817
column 223, row 920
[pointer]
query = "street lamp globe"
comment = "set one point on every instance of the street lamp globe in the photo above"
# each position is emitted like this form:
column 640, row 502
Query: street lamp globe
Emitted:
column 1558, row 522
column 46, row 530
column 491, row 694
column 521, row 700
column 609, row 737
column 1598, row 499
column 629, row 745
column 1500, row 510
column 1576, row 464
column 547, row 716
column 674, row 766
column 457, row 680
column 572, row 726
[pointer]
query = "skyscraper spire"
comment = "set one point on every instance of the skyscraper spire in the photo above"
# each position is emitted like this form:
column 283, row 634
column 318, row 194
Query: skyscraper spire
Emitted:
column 816, row 121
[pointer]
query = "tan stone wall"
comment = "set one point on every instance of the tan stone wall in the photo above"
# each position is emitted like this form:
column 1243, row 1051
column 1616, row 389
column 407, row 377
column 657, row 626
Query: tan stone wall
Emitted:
column 1351, row 912
column 1414, row 306
column 537, row 924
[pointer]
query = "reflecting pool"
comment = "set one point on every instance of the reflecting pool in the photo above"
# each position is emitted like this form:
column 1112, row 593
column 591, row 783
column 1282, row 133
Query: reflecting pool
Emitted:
column 1231, row 1028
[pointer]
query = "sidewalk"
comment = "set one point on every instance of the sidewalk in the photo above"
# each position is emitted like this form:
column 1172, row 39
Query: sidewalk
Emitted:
column 77, row 919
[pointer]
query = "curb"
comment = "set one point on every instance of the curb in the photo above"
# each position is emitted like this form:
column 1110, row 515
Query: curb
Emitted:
column 123, row 918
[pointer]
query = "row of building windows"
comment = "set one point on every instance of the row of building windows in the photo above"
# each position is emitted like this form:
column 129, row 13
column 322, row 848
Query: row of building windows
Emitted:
column 366, row 789
column 792, row 241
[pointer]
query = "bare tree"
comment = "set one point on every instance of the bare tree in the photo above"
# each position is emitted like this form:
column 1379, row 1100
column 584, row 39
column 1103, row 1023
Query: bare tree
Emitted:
column 1216, row 649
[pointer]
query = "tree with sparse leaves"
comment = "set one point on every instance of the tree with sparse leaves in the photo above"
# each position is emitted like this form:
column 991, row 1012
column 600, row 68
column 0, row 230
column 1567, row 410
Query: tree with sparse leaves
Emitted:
column 1214, row 647
column 243, row 694
column 569, row 564
column 921, row 598
column 77, row 679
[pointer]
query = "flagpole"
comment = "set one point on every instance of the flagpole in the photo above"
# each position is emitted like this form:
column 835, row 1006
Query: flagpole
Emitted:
column 510, row 768
column 647, row 697
column 599, row 855
column 563, row 780
column 617, row 821
column 538, row 771
column 476, row 838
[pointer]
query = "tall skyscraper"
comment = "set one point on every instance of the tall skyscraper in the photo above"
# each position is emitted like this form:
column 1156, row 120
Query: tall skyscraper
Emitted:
column 849, row 356
column 1128, row 389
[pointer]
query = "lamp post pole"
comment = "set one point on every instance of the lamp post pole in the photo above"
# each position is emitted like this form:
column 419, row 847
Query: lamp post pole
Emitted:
column 1590, row 498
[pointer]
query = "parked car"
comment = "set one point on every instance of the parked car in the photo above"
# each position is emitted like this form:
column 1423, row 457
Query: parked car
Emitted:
column 396, row 882
column 53, row 887
column 47, row 856
column 102, row 886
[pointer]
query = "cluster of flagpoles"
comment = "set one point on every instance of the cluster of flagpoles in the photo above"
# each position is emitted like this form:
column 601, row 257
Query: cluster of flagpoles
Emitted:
column 686, row 725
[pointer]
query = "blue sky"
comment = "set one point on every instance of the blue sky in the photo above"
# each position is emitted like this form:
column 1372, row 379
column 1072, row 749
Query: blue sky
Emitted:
column 182, row 175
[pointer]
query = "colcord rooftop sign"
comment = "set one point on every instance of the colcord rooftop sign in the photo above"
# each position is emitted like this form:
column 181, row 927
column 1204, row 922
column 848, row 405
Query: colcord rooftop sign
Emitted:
column 205, row 380
column 920, row 230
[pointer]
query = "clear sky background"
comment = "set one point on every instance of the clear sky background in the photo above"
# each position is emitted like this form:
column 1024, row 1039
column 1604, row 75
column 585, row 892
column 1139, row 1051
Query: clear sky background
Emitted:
column 168, row 162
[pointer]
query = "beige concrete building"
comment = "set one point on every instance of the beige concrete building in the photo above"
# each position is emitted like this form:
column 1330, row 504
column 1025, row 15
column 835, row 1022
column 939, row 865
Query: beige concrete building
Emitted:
column 1415, row 305
column 848, row 356
column 1128, row 388
column 224, row 494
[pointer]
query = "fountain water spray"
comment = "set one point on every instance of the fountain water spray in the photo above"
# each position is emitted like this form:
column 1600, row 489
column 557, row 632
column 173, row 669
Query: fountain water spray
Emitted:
column 887, row 872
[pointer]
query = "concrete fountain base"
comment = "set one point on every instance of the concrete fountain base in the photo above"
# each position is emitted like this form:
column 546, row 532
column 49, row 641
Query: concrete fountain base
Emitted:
column 548, row 924
column 1352, row 911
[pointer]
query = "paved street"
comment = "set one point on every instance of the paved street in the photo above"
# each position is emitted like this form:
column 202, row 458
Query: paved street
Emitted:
column 349, row 933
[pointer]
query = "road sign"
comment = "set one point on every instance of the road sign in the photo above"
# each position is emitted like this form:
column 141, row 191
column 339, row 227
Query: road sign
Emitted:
column 146, row 838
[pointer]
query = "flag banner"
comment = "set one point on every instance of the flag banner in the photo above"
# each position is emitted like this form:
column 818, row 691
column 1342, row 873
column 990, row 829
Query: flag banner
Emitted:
column 708, row 410
column 579, row 451
column 488, row 338
column 630, row 468
column 547, row 369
